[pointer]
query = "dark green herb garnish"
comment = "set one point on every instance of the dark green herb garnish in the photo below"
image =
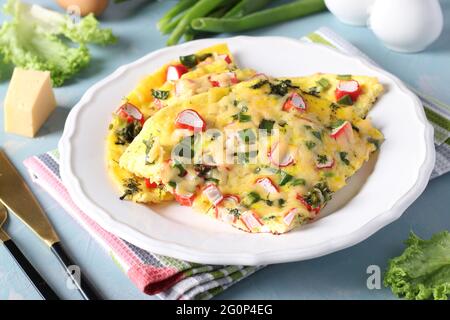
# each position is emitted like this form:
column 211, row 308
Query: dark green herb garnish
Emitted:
column 317, row 134
column 313, row 91
column 173, row 184
column 307, row 127
column 203, row 57
column 343, row 156
column 337, row 124
column 160, row 94
column 322, row 159
column 251, row 198
column 127, row 134
column 310, row 144
column 202, row 170
column 355, row 128
column 346, row 100
column 213, row 180
column 318, row 195
column 281, row 88
column 259, row 84
column 266, row 125
column 242, row 117
column 185, row 148
column 334, row 106
column 269, row 202
column 235, row 212
column 182, row 171
column 344, row 77
column 281, row 202
column 131, row 187
column 284, row 177
column 189, row 61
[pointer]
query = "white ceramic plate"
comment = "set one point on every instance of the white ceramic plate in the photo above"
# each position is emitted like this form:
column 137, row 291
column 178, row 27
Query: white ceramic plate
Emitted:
column 376, row 196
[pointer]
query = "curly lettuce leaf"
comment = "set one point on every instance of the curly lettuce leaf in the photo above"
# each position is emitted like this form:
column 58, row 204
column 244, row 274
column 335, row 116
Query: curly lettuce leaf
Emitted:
column 423, row 270
column 41, row 39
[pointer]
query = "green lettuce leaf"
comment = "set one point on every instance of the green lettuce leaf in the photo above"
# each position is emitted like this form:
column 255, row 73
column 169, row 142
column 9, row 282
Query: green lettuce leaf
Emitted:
column 423, row 270
column 41, row 39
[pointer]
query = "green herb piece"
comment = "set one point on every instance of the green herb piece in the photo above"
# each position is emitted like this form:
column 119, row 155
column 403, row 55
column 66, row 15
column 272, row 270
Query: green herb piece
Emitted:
column 269, row 202
column 235, row 212
column 334, row 106
column 322, row 159
column 310, row 144
column 299, row 182
column 266, row 125
column 282, row 87
column 313, row 91
column 182, row 171
column 251, row 198
column 242, row 117
column 328, row 174
column 346, row 100
column 337, row 124
column 259, row 84
column 323, row 83
column 344, row 77
column 421, row 272
column 213, row 180
column 317, row 134
column 189, row 61
column 131, row 187
column 203, row 57
column 284, row 178
column 281, row 202
column 173, row 184
column 126, row 134
column 343, row 156
column 160, row 94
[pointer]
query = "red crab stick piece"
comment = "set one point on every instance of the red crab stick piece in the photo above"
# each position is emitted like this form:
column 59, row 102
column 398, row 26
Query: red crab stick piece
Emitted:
column 278, row 159
column 267, row 184
column 130, row 113
column 191, row 120
column 350, row 88
column 174, row 72
column 296, row 102
column 186, row 199
column 307, row 205
column 344, row 129
column 226, row 58
column 290, row 216
column 251, row 221
column 325, row 165
column 213, row 194
column 150, row 185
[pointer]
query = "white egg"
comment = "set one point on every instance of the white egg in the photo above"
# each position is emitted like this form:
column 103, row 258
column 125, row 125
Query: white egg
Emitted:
column 353, row 12
column 406, row 25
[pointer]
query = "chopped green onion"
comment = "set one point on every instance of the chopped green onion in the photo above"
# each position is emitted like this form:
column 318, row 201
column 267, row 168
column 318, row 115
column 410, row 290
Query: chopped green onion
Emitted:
column 344, row 77
column 343, row 156
column 299, row 182
column 284, row 178
column 173, row 184
column 346, row 100
column 323, row 83
column 266, row 125
column 251, row 198
column 181, row 169
column 160, row 94
column 189, row 61
column 310, row 144
column 281, row 202
column 247, row 135
column 317, row 134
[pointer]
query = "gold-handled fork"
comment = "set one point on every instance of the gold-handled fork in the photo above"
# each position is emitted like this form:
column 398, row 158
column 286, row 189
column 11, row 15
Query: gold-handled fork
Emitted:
column 39, row 283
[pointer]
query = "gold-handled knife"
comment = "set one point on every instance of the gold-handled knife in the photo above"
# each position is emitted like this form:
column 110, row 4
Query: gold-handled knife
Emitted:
column 18, row 198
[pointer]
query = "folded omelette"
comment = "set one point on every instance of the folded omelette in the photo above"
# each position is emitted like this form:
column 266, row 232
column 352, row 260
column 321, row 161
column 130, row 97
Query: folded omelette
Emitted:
column 259, row 153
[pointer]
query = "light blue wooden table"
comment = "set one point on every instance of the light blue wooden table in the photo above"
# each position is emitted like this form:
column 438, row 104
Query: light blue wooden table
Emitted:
column 341, row 275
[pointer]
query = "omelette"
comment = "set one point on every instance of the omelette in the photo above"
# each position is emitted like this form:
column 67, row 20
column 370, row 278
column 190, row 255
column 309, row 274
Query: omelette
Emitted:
column 179, row 79
column 261, row 154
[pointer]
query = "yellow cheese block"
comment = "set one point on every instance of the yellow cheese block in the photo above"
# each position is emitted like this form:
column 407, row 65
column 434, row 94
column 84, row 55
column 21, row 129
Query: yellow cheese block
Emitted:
column 29, row 102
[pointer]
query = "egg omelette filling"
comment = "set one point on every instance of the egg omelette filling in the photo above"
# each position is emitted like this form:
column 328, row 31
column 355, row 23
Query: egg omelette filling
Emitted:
column 263, row 155
column 179, row 79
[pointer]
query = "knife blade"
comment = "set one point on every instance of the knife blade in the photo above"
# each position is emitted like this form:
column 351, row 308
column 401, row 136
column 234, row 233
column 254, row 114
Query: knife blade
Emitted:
column 18, row 198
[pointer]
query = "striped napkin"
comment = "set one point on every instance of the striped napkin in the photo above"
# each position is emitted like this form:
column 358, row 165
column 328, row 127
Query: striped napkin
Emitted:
column 170, row 278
